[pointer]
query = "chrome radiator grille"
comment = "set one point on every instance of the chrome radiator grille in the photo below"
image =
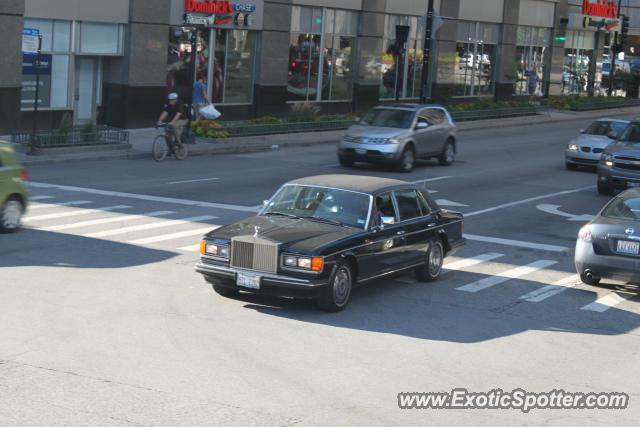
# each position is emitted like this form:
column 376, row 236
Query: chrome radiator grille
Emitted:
column 254, row 254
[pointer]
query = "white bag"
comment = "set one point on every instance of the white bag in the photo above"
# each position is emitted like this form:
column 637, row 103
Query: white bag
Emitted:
column 209, row 112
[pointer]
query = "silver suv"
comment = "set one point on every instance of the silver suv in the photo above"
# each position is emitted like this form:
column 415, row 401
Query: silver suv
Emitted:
column 399, row 134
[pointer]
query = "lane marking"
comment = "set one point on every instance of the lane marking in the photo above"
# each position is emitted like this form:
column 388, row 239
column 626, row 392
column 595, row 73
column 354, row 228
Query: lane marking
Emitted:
column 505, row 276
column 551, row 290
column 55, row 205
column 35, row 198
column 516, row 243
column 532, row 199
column 445, row 202
column 145, row 197
column 150, row 226
column 75, row 213
column 192, row 248
column 119, row 218
column 470, row 262
column 189, row 181
column 606, row 302
column 172, row 236
column 439, row 178
column 555, row 210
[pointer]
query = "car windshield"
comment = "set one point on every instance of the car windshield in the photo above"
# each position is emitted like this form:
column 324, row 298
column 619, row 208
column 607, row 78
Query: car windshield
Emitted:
column 389, row 118
column 631, row 133
column 623, row 208
column 321, row 204
column 606, row 66
column 602, row 128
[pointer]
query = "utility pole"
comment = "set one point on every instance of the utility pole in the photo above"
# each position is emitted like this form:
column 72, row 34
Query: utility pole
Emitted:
column 614, row 53
column 426, row 54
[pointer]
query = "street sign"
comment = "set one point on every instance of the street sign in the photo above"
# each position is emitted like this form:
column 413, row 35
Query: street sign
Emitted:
column 30, row 41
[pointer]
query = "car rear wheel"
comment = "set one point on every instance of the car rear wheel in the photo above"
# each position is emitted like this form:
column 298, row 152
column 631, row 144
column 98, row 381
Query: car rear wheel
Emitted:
column 407, row 160
column 335, row 297
column 11, row 215
column 604, row 188
column 448, row 155
column 346, row 162
column 571, row 166
column 432, row 268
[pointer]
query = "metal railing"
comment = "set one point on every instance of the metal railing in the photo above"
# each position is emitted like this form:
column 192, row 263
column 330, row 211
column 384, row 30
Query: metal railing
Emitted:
column 600, row 105
column 76, row 136
column 495, row 113
column 243, row 128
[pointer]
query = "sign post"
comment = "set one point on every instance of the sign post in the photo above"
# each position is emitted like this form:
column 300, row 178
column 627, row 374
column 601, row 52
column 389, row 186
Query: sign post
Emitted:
column 614, row 53
column 426, row 55
column 32, row 44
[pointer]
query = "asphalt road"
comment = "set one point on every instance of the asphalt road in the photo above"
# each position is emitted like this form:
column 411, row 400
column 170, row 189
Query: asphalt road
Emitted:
column 104, row 321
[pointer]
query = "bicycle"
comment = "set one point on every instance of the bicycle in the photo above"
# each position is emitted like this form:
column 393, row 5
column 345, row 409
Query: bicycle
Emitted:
column 166, row 143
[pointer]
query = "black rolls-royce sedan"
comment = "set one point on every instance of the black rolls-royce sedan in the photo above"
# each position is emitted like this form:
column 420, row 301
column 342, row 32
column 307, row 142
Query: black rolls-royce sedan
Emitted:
column 317, row 237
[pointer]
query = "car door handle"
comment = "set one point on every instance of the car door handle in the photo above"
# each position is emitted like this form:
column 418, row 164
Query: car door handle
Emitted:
column 400, row 233
column 431, row 224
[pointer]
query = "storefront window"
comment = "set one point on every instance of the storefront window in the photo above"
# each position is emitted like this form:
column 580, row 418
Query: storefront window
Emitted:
column 405, row 78
column 532, row 55
column 476, row 49
column 233, row 66
column 100, row 38
column 54, row 66
column 578, row 55
column 321, row 53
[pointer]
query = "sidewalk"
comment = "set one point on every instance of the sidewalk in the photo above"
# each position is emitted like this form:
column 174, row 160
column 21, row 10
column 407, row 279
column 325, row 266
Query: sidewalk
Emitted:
column 141, row 140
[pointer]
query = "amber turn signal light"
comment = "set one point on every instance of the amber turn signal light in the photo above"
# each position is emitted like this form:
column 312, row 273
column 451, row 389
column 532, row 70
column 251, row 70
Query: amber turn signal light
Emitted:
column 317, row 263
column 203, row 247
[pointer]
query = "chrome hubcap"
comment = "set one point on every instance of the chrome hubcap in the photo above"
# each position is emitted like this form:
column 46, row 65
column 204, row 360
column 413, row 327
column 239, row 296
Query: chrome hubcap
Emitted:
column 435, row 260
column 341, row 287
column 11, row 215
column 408, row 159
column 449, row 154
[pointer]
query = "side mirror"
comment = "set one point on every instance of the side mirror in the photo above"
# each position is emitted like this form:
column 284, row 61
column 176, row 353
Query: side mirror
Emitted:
column 265, row 203
column 421, row 125
column 582, row 130
column 612, row 135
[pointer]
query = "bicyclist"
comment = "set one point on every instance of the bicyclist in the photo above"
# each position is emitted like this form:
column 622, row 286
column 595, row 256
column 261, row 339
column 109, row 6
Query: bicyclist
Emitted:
column 174, row 115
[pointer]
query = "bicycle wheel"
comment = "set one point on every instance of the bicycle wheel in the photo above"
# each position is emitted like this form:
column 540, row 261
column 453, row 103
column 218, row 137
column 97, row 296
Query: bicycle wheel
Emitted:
column 180, row 150
column 159, row 150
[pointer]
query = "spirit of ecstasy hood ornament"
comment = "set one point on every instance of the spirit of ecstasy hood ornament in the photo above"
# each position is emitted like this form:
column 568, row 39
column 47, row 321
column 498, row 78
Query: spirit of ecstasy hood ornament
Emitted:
column 256, row 231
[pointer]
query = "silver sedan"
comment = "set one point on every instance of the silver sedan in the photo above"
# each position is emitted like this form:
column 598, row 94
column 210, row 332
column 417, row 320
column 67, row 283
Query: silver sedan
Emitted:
column 586, row 149
column 608, row 247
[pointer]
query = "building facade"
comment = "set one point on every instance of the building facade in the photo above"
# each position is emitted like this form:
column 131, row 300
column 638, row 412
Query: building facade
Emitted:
column 114, row 62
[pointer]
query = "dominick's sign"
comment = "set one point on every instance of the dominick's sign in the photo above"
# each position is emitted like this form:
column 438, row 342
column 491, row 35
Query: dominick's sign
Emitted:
column 602, row 8
column 210, row 7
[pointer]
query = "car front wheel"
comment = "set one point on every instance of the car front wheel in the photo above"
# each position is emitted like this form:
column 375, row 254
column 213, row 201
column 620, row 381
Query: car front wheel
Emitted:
column 335, row 297
column 407, row 160
column 448, row 155
column 346, row 162
column 432, row 268
column 571, row 166
column 222, row 290
column 11, row 213
column 604, row 188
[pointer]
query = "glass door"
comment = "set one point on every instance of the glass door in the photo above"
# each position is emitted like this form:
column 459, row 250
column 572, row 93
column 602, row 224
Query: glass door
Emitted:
column 86, row 89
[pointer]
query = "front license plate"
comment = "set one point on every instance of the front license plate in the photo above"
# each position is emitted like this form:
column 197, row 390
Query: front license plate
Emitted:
column 361, row 151
column 627, row 247
column 248, row 281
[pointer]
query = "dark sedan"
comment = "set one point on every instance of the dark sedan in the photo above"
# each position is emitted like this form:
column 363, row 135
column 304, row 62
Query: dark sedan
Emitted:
column 609, row 246
column 317, row 237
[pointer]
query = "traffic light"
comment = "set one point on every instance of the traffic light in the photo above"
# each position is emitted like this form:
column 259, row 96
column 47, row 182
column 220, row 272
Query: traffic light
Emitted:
column 624, row 30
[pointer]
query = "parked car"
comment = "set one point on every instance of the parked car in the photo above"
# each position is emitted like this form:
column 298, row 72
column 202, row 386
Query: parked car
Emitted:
column 609, row 246
column 13, row 194
column 399, row 135
column 587, row 148
column 619, row 165
column 317, row 237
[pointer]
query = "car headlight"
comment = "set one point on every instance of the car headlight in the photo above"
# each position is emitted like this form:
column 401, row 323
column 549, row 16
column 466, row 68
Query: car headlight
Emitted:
column 303, row 263
column 607, row 159
column 572, row 147
column 214, row 249
column 393, row 141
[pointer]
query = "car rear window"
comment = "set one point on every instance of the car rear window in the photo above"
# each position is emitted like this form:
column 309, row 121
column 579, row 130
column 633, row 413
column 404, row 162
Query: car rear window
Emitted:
column 623, row 208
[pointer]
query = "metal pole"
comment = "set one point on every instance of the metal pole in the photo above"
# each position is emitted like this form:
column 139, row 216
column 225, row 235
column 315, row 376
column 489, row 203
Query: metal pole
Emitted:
column 426, row 54
column 35, row 101
column 614, row 53
column 193, row 68
column 399, row 67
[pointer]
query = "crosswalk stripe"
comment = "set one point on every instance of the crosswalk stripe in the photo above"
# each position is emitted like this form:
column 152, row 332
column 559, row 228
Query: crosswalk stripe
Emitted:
column 172, row 236
column 150, row 226
column 57, row 205
column 76, row 213
column 36, row 198
column 470, row 262
column 505, row 276
column 606, row 302
column 551, row 290
column 110, row 220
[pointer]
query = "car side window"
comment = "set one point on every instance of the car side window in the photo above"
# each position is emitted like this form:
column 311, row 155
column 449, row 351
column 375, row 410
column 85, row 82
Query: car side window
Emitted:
column 383, row 206
column 433, row 116
column 408, row 206
column 424, row 206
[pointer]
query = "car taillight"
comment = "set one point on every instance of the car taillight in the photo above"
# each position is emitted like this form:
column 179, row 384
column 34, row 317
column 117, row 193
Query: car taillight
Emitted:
column 24, row 174
column 585, row 234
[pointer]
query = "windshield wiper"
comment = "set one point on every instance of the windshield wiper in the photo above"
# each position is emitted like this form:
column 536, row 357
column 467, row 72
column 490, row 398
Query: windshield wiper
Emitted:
column 325, row 220
column 282, row 214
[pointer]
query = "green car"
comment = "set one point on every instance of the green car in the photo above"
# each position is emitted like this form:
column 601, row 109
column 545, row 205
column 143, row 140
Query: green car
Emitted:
column 13, row 194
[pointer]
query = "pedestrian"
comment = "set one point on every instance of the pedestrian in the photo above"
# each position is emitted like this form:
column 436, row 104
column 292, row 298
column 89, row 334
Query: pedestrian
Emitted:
column 532, row 83
column 200, row 98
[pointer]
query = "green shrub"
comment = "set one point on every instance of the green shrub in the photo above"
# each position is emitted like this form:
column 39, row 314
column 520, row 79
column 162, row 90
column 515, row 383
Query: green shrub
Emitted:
column 304, row 112
column 209, row 129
